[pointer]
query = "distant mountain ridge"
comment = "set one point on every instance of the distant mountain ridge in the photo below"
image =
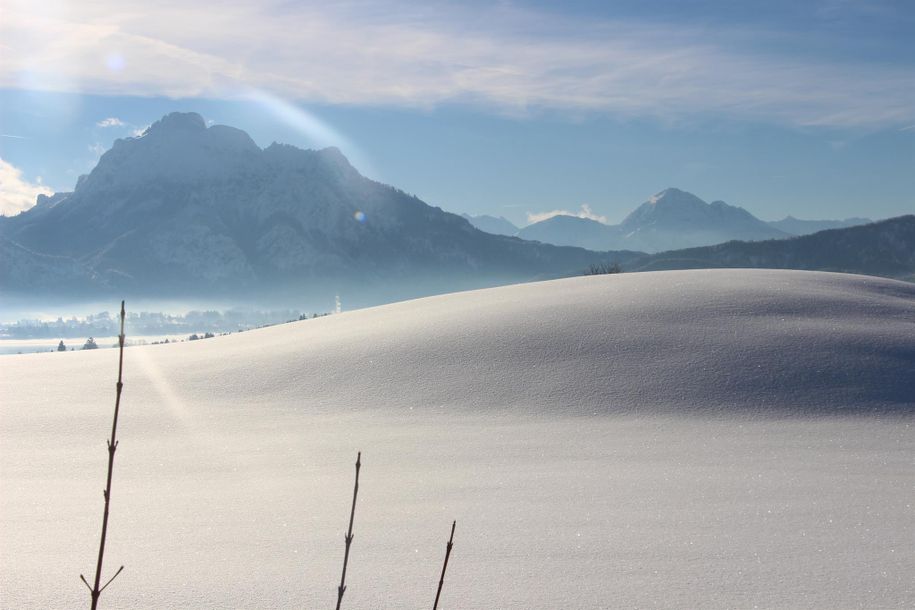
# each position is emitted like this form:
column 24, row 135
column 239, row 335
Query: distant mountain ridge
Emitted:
column 563, row 230
column 497, row 225
column 188, row 209
column 670, row 219
column 796, row 226
column 885, row 248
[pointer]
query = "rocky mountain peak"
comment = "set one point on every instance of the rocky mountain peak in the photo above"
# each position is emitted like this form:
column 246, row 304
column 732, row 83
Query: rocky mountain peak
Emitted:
column 178, row 121
column 673, row 196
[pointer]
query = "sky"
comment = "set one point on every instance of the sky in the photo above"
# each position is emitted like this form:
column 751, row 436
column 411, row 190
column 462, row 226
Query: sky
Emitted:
column 518, row 109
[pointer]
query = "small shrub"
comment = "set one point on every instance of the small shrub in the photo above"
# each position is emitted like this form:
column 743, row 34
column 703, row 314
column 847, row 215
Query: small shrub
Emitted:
column 603, row 269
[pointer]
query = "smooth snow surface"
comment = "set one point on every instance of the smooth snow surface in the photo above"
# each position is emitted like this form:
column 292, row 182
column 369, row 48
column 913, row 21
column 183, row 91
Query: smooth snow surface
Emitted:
column 694, row 439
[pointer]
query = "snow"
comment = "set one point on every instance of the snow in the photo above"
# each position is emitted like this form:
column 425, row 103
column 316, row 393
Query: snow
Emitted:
column 684, row 439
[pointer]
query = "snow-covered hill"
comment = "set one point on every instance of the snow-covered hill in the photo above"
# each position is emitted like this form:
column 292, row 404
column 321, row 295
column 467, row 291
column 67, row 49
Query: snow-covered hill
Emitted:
column 714, row 439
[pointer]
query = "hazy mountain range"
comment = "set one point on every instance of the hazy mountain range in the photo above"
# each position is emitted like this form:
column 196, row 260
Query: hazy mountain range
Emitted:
column 497, row 225
column 884, row 248
column 671, row 219
column 795, row 226
column 188, row 210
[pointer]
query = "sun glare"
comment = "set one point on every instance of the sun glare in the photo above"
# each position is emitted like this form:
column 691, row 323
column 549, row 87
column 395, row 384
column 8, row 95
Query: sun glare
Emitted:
column 307, row 124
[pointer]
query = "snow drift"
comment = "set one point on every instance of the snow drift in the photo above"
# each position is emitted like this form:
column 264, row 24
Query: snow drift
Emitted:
column 692, row 340
column 602, row 441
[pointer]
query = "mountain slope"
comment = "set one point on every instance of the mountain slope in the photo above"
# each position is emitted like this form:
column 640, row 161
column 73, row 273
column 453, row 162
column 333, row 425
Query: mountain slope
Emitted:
column 22, row 267
column 884, row 248
column 187, row 209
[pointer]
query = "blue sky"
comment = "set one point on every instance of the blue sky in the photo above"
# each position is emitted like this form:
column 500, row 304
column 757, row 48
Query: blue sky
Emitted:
column 510, row 108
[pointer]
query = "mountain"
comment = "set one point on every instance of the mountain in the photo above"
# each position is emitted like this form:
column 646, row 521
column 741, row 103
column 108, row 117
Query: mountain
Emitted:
column 497, row 225
column 671, row 219
column 563, row 230
column 187, row 209
column 677, row 219
column 795, row 226
column 885, row 248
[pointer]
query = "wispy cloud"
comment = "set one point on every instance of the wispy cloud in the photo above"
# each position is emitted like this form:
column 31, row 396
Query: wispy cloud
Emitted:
column 16, row 193
column 11, row 136
column 584, row 212
column 502, row 58
column 111, row 122
column 97, row 149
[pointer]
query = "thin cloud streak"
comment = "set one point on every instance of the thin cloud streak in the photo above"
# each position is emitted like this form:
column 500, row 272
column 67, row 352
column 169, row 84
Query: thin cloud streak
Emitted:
column 501, row 59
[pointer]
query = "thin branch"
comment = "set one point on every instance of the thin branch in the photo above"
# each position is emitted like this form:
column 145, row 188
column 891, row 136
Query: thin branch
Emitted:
column 349, row 534
column 96, row 591
column 441, row 580
column 110, row 580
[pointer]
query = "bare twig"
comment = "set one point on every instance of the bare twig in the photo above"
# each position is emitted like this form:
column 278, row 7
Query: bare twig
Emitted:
column 349, row 534
column 95, row 591
column 441, row 580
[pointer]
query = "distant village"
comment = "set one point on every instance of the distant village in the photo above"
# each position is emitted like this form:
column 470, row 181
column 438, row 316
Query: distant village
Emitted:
column 81, row 333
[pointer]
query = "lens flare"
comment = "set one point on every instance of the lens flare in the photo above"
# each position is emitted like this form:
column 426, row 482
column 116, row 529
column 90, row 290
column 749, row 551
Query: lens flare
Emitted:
column 168, row 396
column 359, row 215
column 115, row 62
column 310, row 126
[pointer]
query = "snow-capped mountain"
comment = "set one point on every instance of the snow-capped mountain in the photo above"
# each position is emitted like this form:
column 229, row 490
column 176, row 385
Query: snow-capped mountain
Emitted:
column 676, row 219
column 190, row 209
